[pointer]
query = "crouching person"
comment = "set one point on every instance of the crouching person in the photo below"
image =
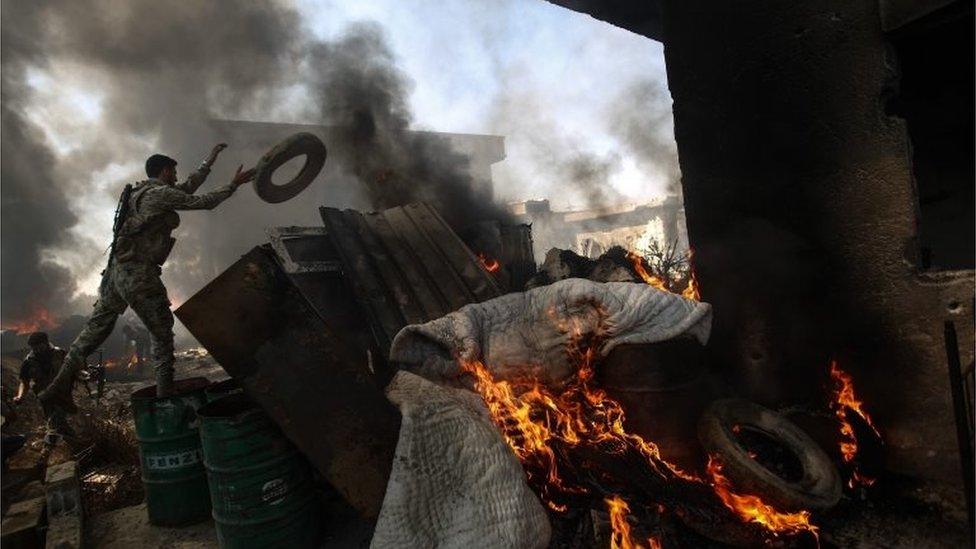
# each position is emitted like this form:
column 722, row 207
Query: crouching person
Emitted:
column 39, row 368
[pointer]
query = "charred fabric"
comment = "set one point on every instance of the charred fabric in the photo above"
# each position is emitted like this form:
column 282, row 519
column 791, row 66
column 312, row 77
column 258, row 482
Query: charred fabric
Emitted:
column 628, row 442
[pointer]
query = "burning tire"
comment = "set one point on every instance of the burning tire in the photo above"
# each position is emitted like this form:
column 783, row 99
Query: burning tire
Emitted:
column 767, row 455
column 297, row 145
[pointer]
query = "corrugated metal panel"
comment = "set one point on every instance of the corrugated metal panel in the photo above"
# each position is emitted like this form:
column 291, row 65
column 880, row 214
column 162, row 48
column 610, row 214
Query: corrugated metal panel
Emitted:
column 406, row 265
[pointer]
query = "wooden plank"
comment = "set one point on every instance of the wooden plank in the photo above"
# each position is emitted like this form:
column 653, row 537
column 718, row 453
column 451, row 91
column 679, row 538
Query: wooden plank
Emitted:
column 446, row 281
column 389, row 272
column 362, row 276
column 479, row 283
column 428, row 299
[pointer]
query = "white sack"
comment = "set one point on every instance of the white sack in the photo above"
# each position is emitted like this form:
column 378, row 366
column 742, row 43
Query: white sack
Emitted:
column 454, row 482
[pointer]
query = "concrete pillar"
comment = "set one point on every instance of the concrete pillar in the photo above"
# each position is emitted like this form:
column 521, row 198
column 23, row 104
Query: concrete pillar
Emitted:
column 801, row 209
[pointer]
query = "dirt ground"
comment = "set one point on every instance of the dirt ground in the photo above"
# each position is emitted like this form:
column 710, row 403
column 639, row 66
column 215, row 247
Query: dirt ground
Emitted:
column 129, row 527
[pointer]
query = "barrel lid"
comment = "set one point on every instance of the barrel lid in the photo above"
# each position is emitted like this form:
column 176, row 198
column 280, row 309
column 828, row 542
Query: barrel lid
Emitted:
column 180, row 387
column 230, row 406
column 225, row 386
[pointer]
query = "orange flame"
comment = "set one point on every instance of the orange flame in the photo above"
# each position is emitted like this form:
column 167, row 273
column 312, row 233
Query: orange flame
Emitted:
column 752, row 509
column 40, row 319
column 845, row 400
column 691, row 292
column 491, row 265
column 641, row 268
column 531, row 417
column 620, row 537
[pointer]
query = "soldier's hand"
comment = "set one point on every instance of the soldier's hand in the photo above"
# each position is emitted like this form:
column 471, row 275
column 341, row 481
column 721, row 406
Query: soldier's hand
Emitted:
column 215, row 151
column 18, row 399
column 242, row 176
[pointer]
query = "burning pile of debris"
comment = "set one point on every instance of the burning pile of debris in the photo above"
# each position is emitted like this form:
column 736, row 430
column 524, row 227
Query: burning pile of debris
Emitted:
column 322, row 325
column 423, row 380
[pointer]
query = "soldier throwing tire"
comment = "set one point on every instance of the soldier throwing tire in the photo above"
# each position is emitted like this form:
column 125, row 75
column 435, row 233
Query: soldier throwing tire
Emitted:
column 145, row 220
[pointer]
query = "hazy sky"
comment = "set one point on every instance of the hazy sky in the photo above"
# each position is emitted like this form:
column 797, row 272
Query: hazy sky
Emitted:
column 469, row 59
column 548, row 79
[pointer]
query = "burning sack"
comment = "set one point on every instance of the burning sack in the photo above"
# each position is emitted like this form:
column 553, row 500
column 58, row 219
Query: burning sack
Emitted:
column 455, row 482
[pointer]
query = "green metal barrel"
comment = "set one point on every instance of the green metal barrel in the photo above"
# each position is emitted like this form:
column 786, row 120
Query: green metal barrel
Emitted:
column 223, row 388
column 169, row 447
column 262, row 489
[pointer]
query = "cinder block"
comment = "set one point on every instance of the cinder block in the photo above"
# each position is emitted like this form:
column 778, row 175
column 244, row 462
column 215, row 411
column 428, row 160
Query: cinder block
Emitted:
column 63, row 489
column 22, row 525
column 64, row 512
column 64, row 532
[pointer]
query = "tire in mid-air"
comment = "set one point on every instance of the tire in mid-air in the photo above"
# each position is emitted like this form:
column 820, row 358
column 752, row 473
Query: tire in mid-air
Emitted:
column 814, row 485
column 297, row 145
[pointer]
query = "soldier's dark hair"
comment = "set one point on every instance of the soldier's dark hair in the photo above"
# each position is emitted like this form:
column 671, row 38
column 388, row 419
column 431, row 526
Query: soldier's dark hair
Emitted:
column 156, row 163
column 37, row 338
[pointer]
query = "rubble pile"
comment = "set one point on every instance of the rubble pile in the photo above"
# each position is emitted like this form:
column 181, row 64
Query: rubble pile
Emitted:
column 614, row 265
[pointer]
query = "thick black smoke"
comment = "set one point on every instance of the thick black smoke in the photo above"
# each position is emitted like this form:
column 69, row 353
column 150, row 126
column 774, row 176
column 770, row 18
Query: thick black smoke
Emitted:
column 34, row 212
column 165, row 69
column 361, row 91
column 589, row 174
column 641, row 119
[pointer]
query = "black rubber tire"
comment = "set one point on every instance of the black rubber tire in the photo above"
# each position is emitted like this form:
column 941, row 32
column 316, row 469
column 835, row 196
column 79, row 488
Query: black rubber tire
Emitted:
column 294, row 146
column 818, row 489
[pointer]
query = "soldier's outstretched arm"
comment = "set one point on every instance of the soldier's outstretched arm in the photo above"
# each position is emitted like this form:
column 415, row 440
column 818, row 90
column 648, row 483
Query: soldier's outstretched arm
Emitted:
column 175, row 199
column 197, row 178
column 192, row 183
column 171, row 198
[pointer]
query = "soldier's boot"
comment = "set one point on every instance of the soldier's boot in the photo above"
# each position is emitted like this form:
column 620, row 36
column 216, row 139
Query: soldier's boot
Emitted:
column 58, row 426
column 58, row 393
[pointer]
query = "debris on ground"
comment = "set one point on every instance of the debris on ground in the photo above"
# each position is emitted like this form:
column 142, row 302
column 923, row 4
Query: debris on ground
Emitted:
column 104, row 446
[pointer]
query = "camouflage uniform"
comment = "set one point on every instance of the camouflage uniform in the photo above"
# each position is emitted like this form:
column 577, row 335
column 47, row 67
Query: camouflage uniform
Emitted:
column 41, row 369
column 133, row 276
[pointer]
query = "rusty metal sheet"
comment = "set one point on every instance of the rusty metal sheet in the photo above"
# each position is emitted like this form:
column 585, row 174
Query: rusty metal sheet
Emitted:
column 292, row 245
column 364, row 277
column 464, row 263
column 388, row 270
column 405, row 265
column 314, row 383
column 432, row 303
column 310, row 260
column 446, row 282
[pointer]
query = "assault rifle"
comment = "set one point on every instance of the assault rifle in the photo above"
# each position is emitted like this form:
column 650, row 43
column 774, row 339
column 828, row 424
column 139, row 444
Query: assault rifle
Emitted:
column 121, row 213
